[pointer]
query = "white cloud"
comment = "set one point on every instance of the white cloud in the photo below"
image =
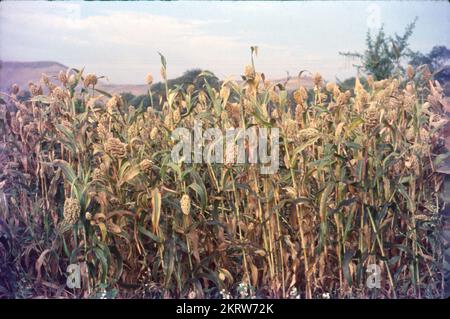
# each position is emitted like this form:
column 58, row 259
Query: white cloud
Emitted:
column 117, row 37
column 122, row 42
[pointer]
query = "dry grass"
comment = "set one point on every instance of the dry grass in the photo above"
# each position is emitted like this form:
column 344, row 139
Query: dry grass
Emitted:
column 86, row 178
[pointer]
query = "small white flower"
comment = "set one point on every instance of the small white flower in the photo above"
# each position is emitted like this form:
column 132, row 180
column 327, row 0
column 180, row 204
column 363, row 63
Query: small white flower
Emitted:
column 103, row 294
column 243, row 290
column 293, row 292
column 225, row 294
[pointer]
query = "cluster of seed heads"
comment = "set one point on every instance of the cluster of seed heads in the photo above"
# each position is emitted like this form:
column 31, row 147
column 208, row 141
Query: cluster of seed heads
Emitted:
column 90, row 80
column 372, row 117
column 185, row 203
column 290, row 128
column 146, row 166
column 114, row 103
column 154, row 133
column 71, row 210
column 149, row 79
column 59, row 94
column 116, row 148
column 34, row 89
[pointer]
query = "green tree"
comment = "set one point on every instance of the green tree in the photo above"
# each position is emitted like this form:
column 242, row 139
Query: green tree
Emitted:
column 158, row 89
column 143, row 98
column 383, row 55
column 128, row 97
column 437, row 58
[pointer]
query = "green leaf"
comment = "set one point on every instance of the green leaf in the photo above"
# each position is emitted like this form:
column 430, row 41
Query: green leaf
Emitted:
column 163, row 60
column 103, row 93
column 323, row 201
column 156, row 208
column 150, row 235
column 67, row 170
column 129, row 174
column 411, row 204
column 348, row 224
column 100, row 254
column 115, row 251
column 393, row 260
column 357, row 122
column 43, row 99
column 439, row 162
column 346, row 269
column 305, row 145
column 201, row 192
column 206, row 74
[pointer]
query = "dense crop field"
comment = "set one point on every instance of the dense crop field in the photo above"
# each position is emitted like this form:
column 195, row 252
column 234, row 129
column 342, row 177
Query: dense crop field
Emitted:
column 87, row 179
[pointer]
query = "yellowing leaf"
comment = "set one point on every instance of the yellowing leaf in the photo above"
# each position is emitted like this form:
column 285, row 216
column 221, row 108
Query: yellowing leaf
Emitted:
column 156, row 209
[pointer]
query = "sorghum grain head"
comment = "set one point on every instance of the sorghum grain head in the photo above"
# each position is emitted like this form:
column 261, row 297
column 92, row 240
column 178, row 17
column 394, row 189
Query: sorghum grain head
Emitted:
column 317, row 80
column 97, row 174
column 15, row 89
column 72, row 80
column 34, row 89
column 290, row 128
column 249, row 73
column 185, row 204
column 113, row 103
column 90, row 80
column 71, row 210
column 176, row 115
column 116, row 148
column 149, row 79
column 330, row 86
column 410, row 71
column 371, row 117
column 59, row 94
column 146, row 166
column 154, row 133
column 62, row 77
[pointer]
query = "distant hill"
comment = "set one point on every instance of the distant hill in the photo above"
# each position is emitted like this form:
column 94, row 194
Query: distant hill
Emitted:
column 293, row 83
column 22, row 73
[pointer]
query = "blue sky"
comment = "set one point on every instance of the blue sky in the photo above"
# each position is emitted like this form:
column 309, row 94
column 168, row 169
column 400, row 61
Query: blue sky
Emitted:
column 121, row 40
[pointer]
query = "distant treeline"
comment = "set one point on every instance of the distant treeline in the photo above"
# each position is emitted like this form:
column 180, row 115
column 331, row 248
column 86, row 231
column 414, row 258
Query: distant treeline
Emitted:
column 192, row 77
